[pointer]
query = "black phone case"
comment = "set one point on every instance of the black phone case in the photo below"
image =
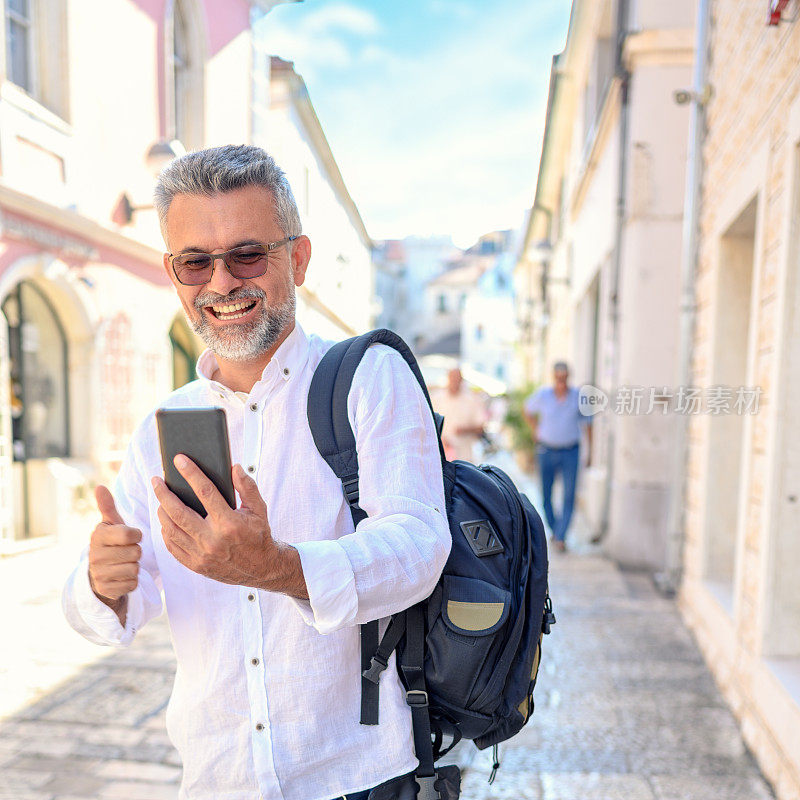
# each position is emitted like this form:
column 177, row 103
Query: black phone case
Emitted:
column 201, row 434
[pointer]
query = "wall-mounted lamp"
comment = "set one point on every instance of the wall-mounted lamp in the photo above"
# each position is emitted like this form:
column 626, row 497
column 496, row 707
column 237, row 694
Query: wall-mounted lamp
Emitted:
column 684, row 96
column 157, row 157
column 161, row 153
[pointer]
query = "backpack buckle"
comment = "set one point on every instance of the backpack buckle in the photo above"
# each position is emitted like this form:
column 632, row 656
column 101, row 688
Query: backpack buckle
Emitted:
column 376, row 666
column 427, row 788
column 350, row 487
column 419, row 699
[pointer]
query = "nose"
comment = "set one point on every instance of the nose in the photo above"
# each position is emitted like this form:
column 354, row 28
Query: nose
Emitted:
column 222, row 282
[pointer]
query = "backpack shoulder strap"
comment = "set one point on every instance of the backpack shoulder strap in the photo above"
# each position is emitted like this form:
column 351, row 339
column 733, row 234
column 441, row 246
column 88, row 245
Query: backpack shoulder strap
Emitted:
column 327, row 402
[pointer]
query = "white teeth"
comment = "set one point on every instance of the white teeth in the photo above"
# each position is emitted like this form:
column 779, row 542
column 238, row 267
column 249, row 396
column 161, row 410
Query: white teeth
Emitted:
column 229, row 309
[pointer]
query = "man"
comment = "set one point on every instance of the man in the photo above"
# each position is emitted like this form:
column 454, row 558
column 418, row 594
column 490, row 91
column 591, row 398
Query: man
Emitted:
column 465, row 416
column 555, row 421
column 264, row 601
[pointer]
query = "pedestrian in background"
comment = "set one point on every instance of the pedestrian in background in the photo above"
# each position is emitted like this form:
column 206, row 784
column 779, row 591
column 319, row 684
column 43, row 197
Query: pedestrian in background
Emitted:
column 555, row 421
column 465, row 413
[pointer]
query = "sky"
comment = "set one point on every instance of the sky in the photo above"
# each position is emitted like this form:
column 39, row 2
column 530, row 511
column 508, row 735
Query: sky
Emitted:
column 434, row 109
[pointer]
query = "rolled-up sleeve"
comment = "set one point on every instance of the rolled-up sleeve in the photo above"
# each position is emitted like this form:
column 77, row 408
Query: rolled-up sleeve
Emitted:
column 88, row 615
column 395, row 556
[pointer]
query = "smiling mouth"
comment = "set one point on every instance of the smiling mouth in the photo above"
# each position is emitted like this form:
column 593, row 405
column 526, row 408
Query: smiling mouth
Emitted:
column 230, row 311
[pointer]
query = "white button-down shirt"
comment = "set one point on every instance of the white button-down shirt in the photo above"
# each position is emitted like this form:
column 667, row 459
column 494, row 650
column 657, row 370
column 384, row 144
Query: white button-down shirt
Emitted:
column 266, row 700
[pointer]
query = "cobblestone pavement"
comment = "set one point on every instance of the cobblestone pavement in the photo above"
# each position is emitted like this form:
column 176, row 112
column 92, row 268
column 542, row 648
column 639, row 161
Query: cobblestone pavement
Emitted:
column 625, row 708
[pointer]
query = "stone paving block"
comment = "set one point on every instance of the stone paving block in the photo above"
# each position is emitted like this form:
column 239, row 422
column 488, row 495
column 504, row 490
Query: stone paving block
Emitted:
column 134, row 790
column 18, row 780
column 123, row 697
column 47, row 746
column 506, row 786
column 157, row 737
column 110, row 734
column 748, row 786
column 72, row 783
column 557, row 757
column 139, row 771
column 104, row 752
column 146, row 752
column 593, row 786
column 51, row 764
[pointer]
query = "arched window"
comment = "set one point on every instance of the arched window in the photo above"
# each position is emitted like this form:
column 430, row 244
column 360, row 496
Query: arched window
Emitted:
column 38, row 375
column 185, row 352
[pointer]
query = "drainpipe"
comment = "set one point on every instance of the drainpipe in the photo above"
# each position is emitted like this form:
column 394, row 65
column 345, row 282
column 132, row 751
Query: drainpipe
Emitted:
column 622, row 74
column 669, row 580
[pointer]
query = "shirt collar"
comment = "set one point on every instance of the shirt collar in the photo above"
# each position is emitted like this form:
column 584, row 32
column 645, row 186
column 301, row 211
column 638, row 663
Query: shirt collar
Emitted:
column 286, row 362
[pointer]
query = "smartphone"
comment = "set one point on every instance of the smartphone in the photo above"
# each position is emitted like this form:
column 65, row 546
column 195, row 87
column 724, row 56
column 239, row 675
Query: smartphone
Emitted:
column 202, row 435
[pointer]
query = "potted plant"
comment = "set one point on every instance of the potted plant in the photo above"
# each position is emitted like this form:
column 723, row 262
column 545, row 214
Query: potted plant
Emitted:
column 522, row 443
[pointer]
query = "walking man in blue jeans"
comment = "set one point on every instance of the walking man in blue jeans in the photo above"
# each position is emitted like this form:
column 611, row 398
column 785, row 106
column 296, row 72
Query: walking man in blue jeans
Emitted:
column 555, row 420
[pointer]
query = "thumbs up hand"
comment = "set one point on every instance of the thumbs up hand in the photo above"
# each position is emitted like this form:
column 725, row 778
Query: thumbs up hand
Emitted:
column 114, row 554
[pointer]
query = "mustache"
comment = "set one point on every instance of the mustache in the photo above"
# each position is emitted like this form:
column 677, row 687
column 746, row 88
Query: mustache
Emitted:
column 210, row 298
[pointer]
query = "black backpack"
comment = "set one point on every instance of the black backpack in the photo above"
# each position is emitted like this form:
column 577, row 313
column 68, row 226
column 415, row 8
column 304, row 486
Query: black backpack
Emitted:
column 469, row 654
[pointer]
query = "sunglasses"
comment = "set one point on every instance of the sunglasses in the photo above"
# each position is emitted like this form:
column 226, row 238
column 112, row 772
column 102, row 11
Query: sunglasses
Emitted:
column 246, row 261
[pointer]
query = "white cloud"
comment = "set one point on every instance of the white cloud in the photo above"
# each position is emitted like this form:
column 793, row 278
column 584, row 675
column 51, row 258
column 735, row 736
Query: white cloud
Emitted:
column 444, row 139
column 342, row 17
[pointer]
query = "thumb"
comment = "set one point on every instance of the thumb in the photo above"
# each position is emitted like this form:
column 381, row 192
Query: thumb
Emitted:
column 107, row 506
column 248, row 491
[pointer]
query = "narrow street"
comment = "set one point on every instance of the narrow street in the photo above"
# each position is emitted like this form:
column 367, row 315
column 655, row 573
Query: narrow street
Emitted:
column 625, row 706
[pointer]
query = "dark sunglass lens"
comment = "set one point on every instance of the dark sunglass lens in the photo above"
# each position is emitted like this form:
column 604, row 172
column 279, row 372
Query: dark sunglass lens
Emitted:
column 193, row 268
column 248, row 262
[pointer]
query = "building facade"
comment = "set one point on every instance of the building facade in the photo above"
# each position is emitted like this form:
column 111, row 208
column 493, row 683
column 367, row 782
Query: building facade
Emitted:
column 598, row 279
column 741, row 555
column 404, row 268
column 94, row 99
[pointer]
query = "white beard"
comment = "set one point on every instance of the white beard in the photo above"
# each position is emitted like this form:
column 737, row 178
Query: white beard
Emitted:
column 245, row 342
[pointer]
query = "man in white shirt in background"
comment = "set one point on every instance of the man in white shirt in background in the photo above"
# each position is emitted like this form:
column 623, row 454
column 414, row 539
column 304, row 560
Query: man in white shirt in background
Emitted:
column 264, row 601
column 465, row 413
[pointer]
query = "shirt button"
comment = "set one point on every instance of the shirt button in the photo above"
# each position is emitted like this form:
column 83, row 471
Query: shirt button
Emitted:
column 254, row 662
column 251, row 468
column 254, row 406
column 251, row 597
column 259, row 726
column 286, row 370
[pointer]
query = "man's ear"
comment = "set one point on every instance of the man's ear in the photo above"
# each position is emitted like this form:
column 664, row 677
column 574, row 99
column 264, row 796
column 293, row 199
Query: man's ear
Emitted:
column 301, row 255
column 168, row 268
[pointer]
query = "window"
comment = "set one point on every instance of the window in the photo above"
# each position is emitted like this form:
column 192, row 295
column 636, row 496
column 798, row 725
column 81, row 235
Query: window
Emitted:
column 38, row 372
column 442, row 304
column 727, row 432
column 19, row 43
column 185, row 56
column 35, row 56
column 181, row 63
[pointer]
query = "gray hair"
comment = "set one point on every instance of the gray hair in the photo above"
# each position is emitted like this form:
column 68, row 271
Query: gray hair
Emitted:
column 217, row 170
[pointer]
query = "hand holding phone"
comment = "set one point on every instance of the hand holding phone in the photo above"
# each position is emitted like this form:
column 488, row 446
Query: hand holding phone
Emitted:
column 202, row 435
